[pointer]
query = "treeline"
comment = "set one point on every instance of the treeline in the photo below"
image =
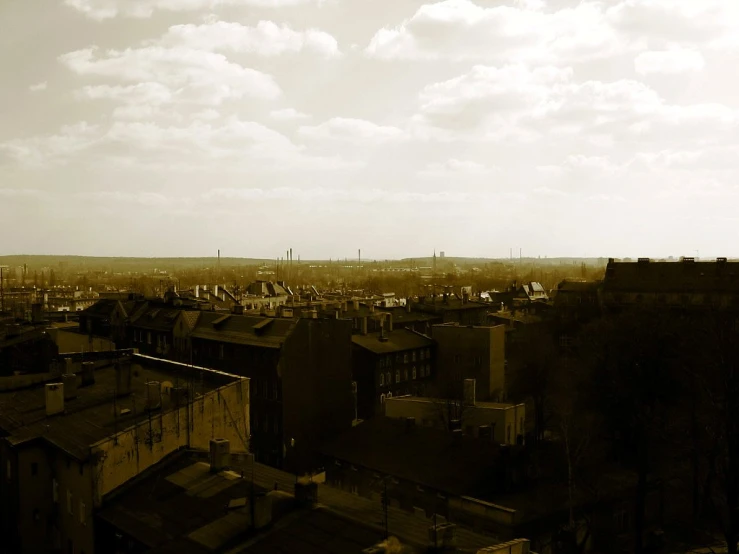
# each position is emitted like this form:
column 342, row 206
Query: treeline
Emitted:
column 654, row 393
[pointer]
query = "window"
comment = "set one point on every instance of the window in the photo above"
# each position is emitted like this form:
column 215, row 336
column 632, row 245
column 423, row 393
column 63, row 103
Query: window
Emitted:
column 414, row 372
column 382, row 398
column 405, row 358
column 382, row 379
column 34, row 468
column 148, row 337
column 397, row 376
column 405, row 375
column 478, row 361
column 382, row 363
column 82, row 513
column 69, row 502
column 388, row 379
column 413, row 357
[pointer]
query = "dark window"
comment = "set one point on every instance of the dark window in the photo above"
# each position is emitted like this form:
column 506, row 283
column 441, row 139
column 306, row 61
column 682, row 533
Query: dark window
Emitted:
column 34, row 468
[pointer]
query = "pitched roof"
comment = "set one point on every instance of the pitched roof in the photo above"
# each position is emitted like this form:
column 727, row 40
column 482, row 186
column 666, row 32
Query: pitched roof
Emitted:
column 243, row 329
column 397, row 341
column 672, row 277
column 102, row 308
column 156, row 318
column 429, row 457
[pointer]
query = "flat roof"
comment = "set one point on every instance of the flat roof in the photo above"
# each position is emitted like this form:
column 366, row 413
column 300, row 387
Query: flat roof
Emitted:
column 397, row 341
column 88, row 418
column 436, row 401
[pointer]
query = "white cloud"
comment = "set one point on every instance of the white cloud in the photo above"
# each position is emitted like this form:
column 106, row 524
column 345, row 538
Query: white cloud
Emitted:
column 245, row 145
column 668, row 61
column 37, row 152
column 196, row 76
column 287, row 114
column 347, row 129
column 516, row 102
column 456, row 167
column 107, row 9
column 265, row 39
column 38, row 87
column 368, row 195
column 462, row 30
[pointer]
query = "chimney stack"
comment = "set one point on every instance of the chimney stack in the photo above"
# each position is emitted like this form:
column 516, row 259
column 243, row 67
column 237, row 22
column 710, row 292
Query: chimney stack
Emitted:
column 197, row 291
column 220, row 455
column 355, row 303
column 364, row 325
column 54, row 398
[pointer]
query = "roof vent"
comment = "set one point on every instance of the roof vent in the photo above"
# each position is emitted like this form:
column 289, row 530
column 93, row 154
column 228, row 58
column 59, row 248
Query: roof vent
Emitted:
column 688, row 260
column 643, row 260
column 721, row 260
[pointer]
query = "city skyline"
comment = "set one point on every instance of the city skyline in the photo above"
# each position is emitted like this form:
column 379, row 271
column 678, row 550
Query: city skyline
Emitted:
column 171, row 129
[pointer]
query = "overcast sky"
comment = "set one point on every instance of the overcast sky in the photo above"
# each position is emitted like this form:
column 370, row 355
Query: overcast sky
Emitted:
column 180, row 127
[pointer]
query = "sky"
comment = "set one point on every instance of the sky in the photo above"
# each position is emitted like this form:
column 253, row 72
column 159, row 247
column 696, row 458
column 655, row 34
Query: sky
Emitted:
column 181, row 127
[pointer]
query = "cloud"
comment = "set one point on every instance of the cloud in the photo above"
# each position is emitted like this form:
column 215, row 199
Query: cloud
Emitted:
column 519, row 103
column 265, row 39
column 668, row 61
column 193, row 76
column 38, row 87
column 368, row 195
column 461, row 30
column 347, row 129
column 106, row 9
column 456, row 167
column 53, row 149
column 243, row 145
column 524, row 31
column 287, row 114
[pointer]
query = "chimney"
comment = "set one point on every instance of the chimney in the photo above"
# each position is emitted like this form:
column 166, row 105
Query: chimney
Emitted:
column 469, row 392
column 70, row 386
column 220, row 455
column 197, row 291
column 364, row 325
column 88, row 374
column 215, row 291
column 390, row 323
column 372, row 307
column 123, row 378
column 344, row 306
column 383, row 336
column 54, row 398
column 355, row 303
column 153, row 395
column 410, row 423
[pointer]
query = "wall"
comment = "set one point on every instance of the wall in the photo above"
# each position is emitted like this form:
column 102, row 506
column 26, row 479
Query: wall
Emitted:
column 316, row 374
column 71, row 341
column 429, row 413
column 223, row 413
column 472, row 353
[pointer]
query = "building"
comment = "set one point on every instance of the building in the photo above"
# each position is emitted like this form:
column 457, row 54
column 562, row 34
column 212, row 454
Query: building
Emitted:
column 68, row 338
column 109, row 318
column 390, row 363
column 162, row 331
column 453, row 309
column 301, row 375
column 687, row 284
column 24, row 348
column 418, row 468
column 470, row 352
column 501, row 423
column 532, row 292
column 77, row 434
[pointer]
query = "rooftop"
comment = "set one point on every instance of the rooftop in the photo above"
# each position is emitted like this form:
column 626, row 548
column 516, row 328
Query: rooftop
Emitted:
column 397, row 341
column 182, row 507
column 88, row 418
column 438, row 401
column 452, row 304
column 429, row 457
column 243, row 329
column 677, row 277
